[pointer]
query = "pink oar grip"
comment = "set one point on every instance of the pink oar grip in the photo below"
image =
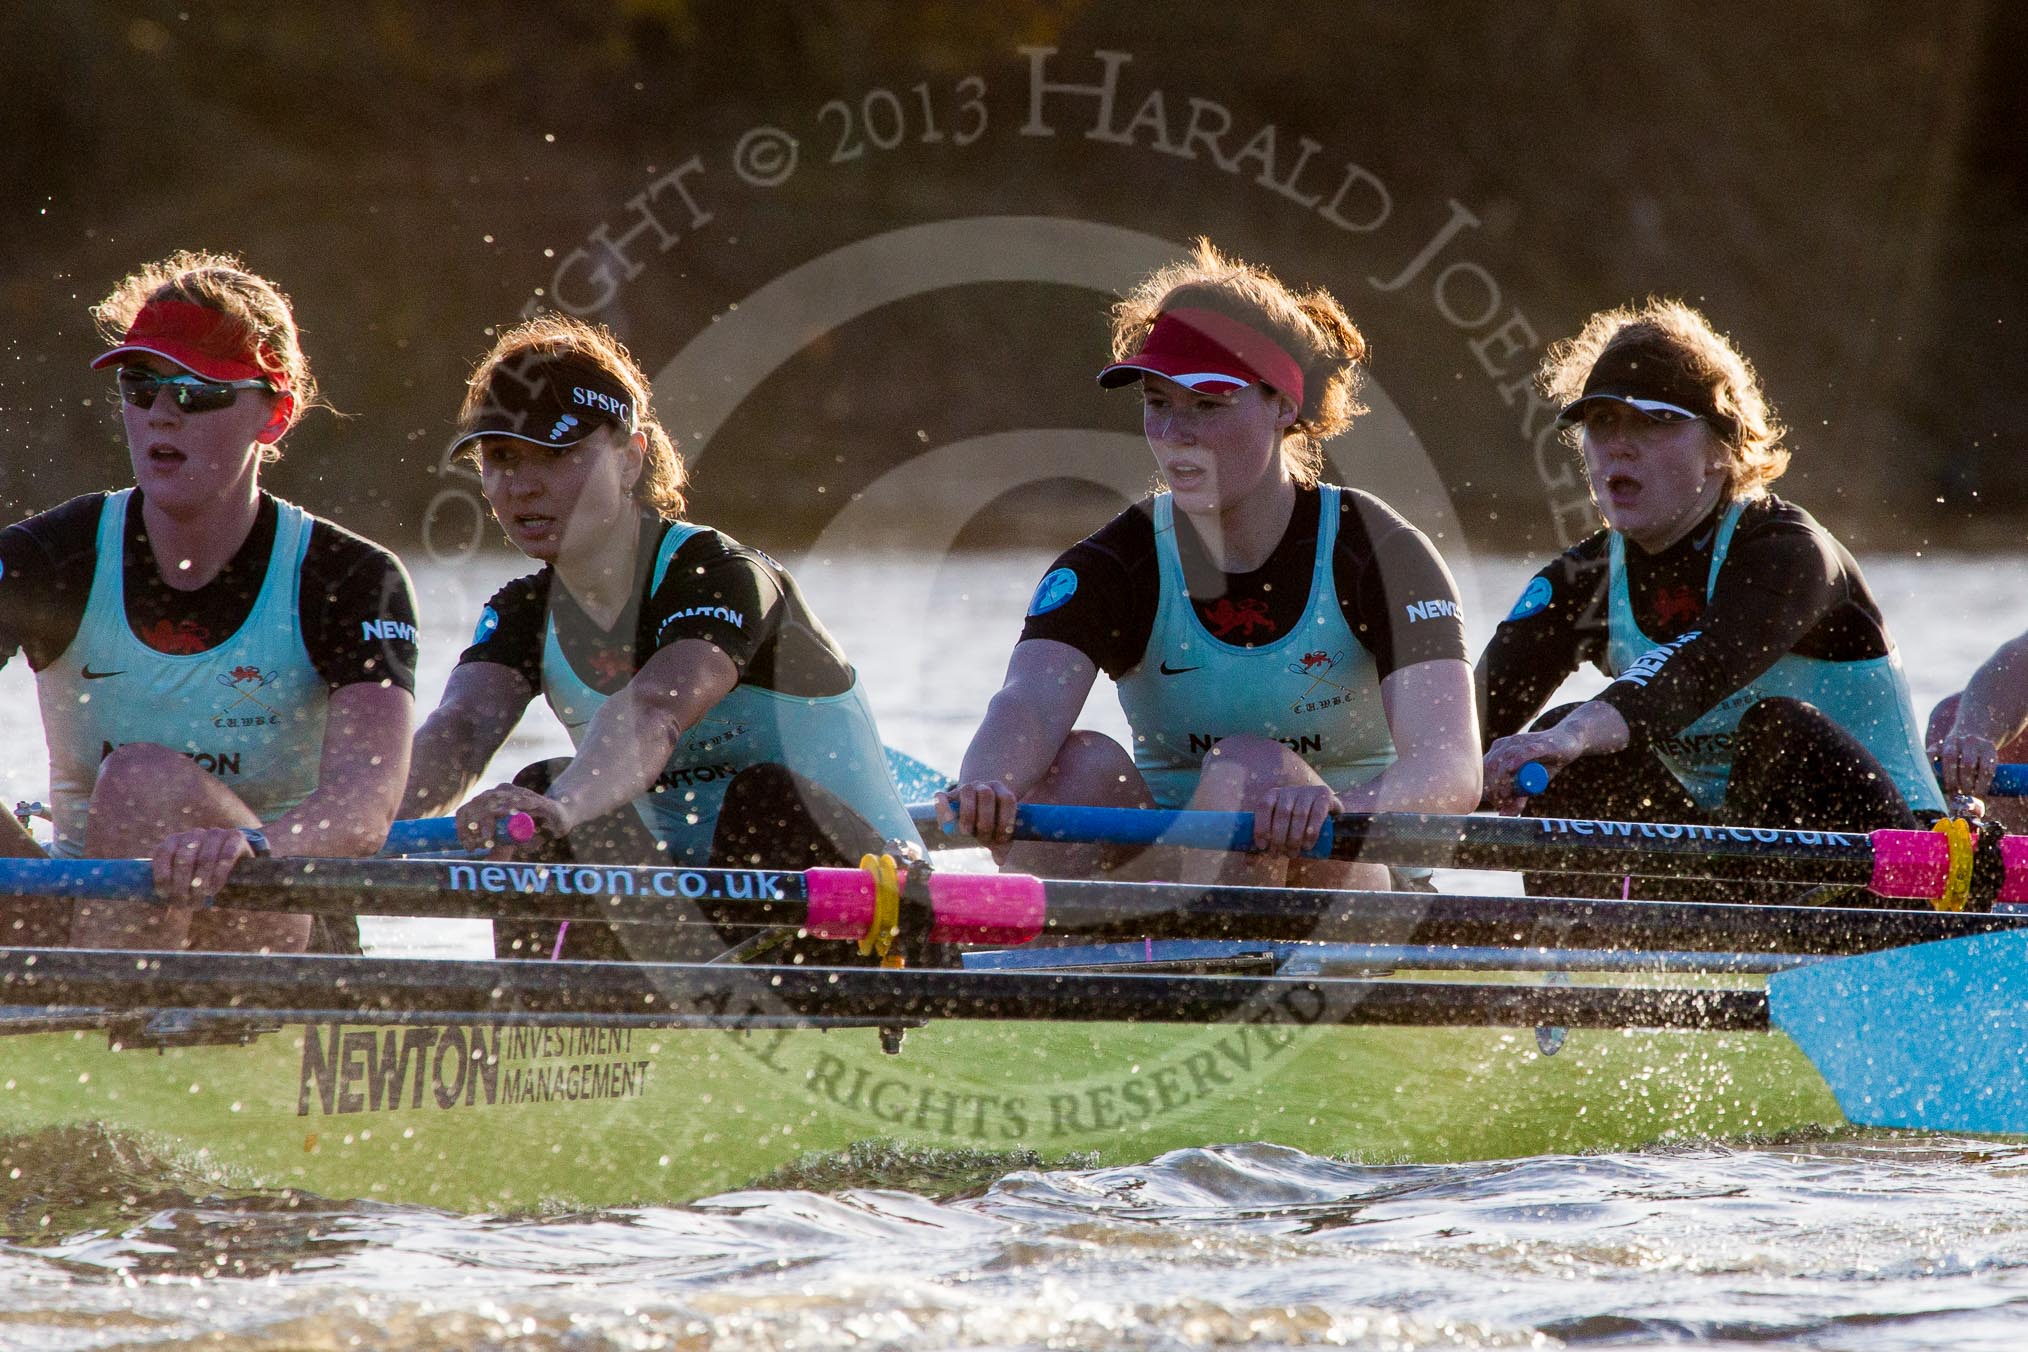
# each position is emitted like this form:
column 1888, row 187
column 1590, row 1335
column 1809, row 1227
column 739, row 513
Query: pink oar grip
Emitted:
column 520, row 828
column 2014, row 869
column 1910, row 864
column 840, row 902
column 970, row 908
column 986, row 908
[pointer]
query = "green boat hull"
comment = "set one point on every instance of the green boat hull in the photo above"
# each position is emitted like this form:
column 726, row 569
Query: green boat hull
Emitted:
column 493, row 1118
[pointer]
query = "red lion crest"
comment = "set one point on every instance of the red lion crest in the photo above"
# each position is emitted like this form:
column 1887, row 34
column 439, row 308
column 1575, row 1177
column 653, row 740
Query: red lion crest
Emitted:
column 1677, row 605
column 1247, row 617
column 184, row 636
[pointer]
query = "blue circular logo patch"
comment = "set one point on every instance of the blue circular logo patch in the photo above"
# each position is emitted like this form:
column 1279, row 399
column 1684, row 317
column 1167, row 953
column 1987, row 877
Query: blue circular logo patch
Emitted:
column 1059, row 586
column 489, row 621
column 1533, row 600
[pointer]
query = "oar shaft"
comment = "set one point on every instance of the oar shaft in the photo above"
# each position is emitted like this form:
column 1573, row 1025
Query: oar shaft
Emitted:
column 830, row 903
column 1906, row 864
column 996, row 909
column 421, row 835
column 1105, row 910
column 336, row 986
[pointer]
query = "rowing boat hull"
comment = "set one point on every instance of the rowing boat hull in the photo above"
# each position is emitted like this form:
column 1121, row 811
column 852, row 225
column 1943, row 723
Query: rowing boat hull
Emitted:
column 491, row 1118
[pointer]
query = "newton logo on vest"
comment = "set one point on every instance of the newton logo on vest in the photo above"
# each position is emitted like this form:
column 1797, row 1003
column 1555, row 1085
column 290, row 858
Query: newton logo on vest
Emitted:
column 736, row 619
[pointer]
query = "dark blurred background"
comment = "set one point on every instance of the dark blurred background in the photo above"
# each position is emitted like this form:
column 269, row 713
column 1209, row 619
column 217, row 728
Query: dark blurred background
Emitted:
column 1842, row 187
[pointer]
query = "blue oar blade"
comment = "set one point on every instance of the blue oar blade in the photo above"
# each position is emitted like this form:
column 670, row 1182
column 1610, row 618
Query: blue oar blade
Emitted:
column 1933, row 1036
column 917, row 780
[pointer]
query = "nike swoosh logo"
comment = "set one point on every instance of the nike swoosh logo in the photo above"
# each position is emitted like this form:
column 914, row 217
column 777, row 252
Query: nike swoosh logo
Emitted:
column 1168, row 670
column 91, row 675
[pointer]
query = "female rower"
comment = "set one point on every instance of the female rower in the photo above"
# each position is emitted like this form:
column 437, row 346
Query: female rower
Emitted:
column 714, row 719
column 1280, row 645
column 1754, row 682
column 221, row 673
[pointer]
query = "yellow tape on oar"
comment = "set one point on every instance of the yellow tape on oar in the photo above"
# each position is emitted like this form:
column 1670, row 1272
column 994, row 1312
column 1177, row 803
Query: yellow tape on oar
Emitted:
column 886, row 922
column 1958, row 886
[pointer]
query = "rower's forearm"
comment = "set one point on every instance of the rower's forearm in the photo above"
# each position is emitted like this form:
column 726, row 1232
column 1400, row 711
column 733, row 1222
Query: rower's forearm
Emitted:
column 1439, row 783
column 1594, row 728
column 1995, row 702
column 1012, row 745
column 445, row 765
column 625, row 749
column 331, row 825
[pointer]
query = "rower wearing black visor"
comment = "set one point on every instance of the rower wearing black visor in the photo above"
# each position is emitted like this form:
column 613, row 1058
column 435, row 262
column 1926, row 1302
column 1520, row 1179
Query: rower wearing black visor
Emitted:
column 1754, row 682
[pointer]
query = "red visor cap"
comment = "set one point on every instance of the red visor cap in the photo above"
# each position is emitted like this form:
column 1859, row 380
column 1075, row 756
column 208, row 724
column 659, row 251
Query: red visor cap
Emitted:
column 1205, row 350
column 199, row 339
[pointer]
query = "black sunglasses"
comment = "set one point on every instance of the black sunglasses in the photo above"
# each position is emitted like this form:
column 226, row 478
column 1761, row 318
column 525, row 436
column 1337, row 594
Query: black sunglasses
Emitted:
column 193, row 394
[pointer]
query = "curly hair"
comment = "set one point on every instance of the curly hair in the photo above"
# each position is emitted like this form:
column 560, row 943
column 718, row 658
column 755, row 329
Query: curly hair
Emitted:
column 552, row 336
column 1755, row 456
column 1312, row 327
column 221, row 282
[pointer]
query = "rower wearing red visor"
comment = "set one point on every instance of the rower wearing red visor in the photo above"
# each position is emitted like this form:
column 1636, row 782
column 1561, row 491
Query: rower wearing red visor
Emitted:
column 1280, row 645
column 221, row 674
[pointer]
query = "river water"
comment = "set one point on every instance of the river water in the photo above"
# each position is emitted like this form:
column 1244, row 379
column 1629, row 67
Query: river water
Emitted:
column 1871, row 1243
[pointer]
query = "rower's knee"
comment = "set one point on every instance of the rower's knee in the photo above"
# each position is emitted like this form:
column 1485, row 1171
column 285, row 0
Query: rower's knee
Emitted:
column 1942, row 718
column 134, row 781
column 1252, row 763
column 1091, row 767
column 1255, row 753
column 141, row 763
column 1782, row 718
column 145, row 791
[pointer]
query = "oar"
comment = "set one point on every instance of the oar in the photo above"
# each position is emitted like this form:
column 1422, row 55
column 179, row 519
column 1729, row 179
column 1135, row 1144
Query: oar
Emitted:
column 1901, row 864
column 428, row 835
column 2009, row 781
column 423, row 835
column 715, row 995
column 1003, row 909
column 1933, row 1037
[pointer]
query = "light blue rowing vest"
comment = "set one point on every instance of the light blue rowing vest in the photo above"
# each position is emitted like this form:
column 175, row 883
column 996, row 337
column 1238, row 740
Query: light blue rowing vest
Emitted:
column 1316, row 689
column 250, row 710
column 830, row 740
column 1868, row 699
